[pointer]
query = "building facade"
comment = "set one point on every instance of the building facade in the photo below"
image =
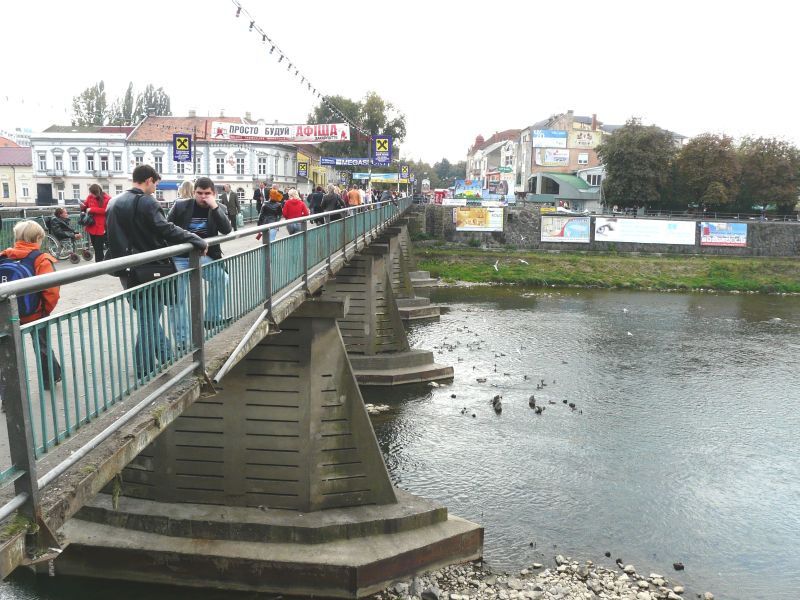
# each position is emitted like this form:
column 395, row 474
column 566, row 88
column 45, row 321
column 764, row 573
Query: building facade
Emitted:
column 17, row 185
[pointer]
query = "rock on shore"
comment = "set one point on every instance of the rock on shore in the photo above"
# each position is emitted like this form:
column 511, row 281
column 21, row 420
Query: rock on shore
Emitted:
column 568, row 580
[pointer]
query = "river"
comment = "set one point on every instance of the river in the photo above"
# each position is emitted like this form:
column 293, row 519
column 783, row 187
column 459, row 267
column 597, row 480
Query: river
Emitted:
column 682, row 445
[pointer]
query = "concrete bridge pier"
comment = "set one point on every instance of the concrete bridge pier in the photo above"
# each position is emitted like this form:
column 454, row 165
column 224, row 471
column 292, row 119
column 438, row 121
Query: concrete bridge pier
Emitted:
column 373, row 331
column 276, row 485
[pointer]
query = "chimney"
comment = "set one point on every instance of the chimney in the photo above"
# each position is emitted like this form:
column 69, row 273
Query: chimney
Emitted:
column 570, row 113
column 192, row 113
column 594, row 122
column 248, row 116
column 151, row 112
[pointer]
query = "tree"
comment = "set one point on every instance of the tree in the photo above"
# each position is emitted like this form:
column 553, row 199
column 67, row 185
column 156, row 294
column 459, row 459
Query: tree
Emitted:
column 770, row 173
column 638, row 163
column 151, row 100
column 707, row 171
column 89, row 107
column 121, row 111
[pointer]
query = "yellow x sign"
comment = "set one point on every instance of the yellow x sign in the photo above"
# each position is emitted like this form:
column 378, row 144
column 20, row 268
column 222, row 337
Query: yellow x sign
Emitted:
column 382, row 144
column 182, row 143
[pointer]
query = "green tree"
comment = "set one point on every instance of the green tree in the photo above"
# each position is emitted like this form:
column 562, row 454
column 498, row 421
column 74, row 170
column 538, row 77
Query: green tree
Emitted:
column 707, row 171
column 121, row 111
column 770, row 173
column 89, row 107
column 151, row 100
column 638, row 162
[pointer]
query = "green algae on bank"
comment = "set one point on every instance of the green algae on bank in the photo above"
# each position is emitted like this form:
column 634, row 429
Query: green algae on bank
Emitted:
column 611, row 270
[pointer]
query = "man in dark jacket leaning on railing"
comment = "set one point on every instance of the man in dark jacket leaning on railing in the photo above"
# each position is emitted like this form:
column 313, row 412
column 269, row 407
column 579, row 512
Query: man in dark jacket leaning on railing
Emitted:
column 135, row 223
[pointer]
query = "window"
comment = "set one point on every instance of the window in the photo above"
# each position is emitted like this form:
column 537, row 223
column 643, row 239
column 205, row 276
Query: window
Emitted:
column 240, row 194
column 180, row 168
column 220, row 165
column 6, row 190
column 59, row 162
column 583, row 158
column 117, row 189
column 275, row 170
column 104, row 162
column 158, row 163
column 197, row 165
column 60, row 193
column 117, row 161
column 73, row 163
column 25, row 190
column 76, row 191
column 286, row 170
column 138, row 160
column 262, row 165
column 240, row 165
column 42, row 161
column 159, row 194
column 594, row 179
column 89, row 162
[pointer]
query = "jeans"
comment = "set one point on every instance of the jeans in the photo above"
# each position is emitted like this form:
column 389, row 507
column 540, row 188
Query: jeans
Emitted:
column 151, row 343
column 293, row 228
column 217, row 284
column 273, row 233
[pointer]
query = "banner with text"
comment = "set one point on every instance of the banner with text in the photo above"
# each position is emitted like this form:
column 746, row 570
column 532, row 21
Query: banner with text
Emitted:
column 343, row 161
column 566, row 229
column 548, row 138
column 723, row 234
column 550, row 157
column 473, row 218
column 644, row 231
column 282, row 134
column 381, row 177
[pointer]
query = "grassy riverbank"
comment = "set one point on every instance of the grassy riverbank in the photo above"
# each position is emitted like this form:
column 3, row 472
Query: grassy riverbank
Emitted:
column 767, row 275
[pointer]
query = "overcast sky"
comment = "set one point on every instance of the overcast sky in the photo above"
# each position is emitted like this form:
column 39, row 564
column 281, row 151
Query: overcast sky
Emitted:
column 455, row 68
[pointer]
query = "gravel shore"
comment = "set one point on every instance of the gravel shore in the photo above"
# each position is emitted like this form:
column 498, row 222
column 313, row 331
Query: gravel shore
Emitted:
column 567, row 579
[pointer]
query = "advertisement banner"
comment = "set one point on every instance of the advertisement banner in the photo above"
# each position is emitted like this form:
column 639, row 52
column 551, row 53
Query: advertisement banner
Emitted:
column 287, row 134
column 453, row 202
column 723, row 234
column 467, row 188
column 182, row 147
column 302, row 169
column 381, row 177
column 549, row 157
column 584, row 139
column 382, row 150
column 644, row 231
column 341, row 161
column 548, row 138
column 474, row 218
column 566, row 229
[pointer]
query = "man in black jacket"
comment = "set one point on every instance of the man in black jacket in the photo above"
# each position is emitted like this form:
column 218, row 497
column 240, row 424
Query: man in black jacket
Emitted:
column 135, row 223
column 205, row 217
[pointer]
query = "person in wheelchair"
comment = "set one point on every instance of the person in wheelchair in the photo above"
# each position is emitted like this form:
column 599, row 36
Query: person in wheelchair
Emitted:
column 59, row 227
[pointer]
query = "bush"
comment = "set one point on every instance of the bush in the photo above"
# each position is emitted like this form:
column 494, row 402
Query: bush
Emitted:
column 474, row 243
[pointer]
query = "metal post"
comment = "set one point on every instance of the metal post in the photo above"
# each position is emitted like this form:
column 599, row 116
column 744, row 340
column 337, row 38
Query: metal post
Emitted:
column 18, row 416
column 198, row 311
column 344, row 236
column 268, row 271
column 327, row 221
column 305, row 257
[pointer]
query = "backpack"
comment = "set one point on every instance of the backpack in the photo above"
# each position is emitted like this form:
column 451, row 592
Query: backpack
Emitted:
column 14, row 270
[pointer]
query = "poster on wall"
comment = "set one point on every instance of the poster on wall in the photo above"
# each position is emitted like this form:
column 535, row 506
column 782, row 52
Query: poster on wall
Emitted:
column 548, row 138
column 467, row 188
column 478, row 218
column 552, row 157
column 723, row 234
column 566, row 229
column 644, row 231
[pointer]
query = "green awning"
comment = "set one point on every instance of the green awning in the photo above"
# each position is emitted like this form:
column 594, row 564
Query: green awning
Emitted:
column 572, row 180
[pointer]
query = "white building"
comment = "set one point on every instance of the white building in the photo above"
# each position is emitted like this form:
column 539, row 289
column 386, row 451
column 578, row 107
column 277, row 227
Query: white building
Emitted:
column 69, row 159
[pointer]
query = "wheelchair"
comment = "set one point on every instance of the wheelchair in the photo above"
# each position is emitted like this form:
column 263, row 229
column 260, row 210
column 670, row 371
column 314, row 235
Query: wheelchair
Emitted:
column 67, row 248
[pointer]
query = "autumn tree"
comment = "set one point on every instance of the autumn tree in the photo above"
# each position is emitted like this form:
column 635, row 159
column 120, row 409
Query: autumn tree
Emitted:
column 638, row 162
column 707, row 171
column 770, row 173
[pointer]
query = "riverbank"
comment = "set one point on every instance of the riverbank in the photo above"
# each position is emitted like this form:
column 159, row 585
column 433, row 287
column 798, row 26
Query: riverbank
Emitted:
column 611, row 270
column 567, row 579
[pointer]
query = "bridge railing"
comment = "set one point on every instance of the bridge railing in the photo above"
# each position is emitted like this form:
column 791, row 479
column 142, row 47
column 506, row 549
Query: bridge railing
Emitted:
column 63, row 372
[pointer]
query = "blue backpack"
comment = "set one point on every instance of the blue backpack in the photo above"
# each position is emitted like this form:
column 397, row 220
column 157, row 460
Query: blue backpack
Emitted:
column 13, row 270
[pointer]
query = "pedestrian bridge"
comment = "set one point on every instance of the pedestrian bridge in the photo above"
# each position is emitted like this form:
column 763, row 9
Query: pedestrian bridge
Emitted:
column 255, row 411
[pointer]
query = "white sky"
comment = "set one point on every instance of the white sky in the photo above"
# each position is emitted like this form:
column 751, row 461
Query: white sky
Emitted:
column 457, row 68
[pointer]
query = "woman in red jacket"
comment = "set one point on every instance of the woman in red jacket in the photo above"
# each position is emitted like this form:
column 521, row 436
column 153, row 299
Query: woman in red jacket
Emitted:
column 95, row 204
column 294, row 208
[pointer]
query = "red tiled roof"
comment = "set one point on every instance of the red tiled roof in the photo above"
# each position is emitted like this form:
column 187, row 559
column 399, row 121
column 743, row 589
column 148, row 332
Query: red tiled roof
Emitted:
column 7, row 143
column 160, row 129
column 16, row 157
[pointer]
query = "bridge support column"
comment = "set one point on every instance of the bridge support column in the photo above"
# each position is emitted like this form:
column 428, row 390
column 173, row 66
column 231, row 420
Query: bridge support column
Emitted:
column 275, row 485
column 373, row 331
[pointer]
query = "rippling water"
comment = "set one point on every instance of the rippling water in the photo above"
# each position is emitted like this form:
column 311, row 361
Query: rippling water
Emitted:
column 683, row 445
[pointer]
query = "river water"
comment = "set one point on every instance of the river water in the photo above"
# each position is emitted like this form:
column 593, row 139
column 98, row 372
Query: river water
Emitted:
column 683, row 444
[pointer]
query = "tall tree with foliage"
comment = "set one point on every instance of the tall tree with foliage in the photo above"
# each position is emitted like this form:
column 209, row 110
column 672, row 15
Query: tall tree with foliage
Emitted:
column 151, row 100
column 638, row 162
column 121, row 111
column 89, row 107
column 770, row 173
column 707, row 171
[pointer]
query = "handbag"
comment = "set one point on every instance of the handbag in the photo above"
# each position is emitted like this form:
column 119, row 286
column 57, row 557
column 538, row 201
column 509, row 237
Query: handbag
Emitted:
column 86, row 219
column 239, row 220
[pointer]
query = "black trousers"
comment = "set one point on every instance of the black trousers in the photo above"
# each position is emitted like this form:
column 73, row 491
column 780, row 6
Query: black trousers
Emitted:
column 99, row 244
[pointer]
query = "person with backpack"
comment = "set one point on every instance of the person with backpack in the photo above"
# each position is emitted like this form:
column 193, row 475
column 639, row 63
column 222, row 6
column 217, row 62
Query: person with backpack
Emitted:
column 25, row 259
column 332, row 201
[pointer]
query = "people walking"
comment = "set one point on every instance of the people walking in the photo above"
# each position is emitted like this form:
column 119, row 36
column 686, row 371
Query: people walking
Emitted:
column 186, row 191
column 315, row 202
column 354, row 196
column 294, row 208
column 332, row 200
column 95, row 205
column 230, row 200
column 258, row 195
column 135, row 223
column 272, row 211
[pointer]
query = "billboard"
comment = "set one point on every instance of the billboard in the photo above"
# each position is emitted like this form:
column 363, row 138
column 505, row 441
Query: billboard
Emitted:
column 478, row 218
column 644, row 231
column 548, row 138
column 566, row 229
column 584, row 139
column 292, row 134
column 467, row 188
column 723, row 234
column 552, row 157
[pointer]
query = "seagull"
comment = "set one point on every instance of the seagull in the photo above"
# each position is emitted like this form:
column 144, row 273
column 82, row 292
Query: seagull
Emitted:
column 630, row 334
column 624, row 310
column 524, row 262
column 522, row 237
column 495, row 264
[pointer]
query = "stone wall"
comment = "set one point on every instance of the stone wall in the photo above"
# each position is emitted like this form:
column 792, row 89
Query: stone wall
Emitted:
column 522, row 231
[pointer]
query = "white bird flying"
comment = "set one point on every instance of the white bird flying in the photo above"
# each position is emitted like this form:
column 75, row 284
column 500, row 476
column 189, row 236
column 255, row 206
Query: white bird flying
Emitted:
column 495, row 264
column 524, row 262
